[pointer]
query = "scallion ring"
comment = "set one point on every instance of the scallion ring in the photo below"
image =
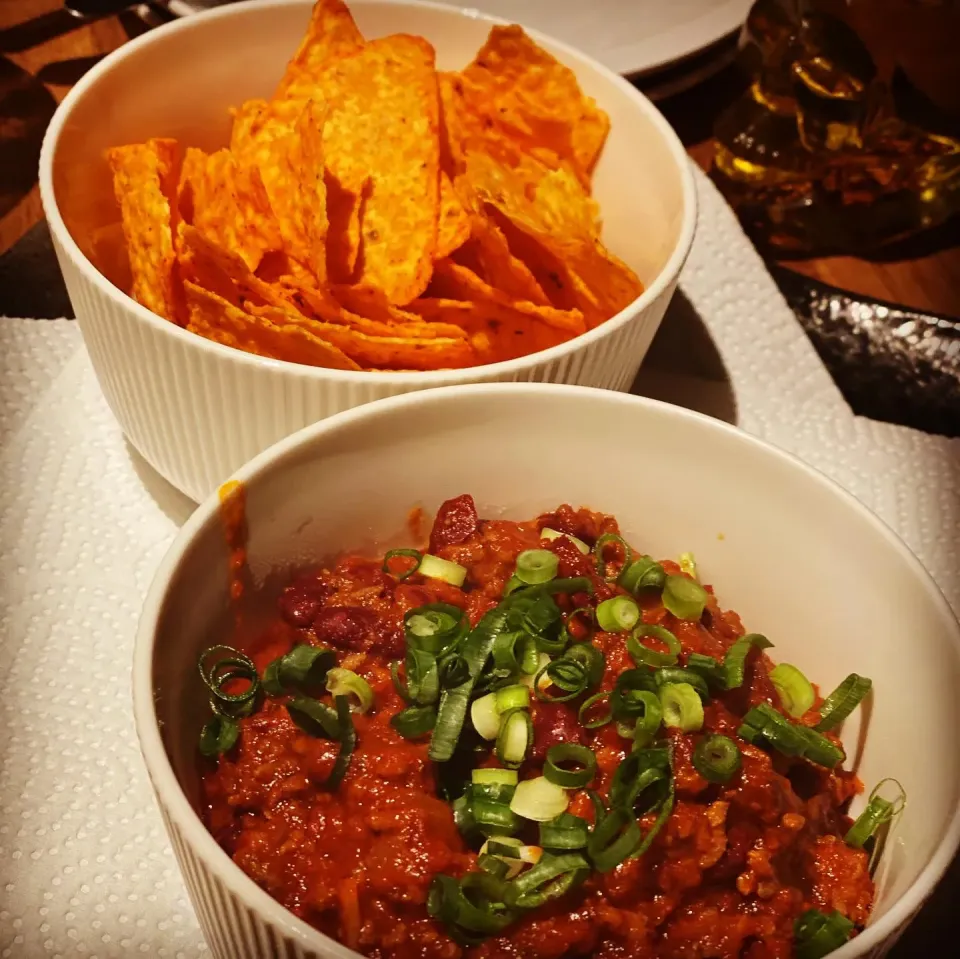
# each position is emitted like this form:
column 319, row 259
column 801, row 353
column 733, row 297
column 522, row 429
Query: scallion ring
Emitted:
column 219, row 736
column 735, row 661
column 536, row 566
column 684, row 597
column 644, row 656
column 682, row 707
column 564, row 832
column 314, row 717
column 878, row 812
column 413, row 554
column 345, row 682
column 617, row 614
column 613, row 839
column 591, row 658
column 586, row 713
column 796, row 692
column 552, row 534
column 435, row 628
column 539, row 799
column 677, row 674
column 843, row 701
column 643, row 573
column 433, row 567
column 817, row 934
column 608, row 539
column 562, row 754
column 569, row 676
column 414, row 721
column 515, row 736
column 716, row 758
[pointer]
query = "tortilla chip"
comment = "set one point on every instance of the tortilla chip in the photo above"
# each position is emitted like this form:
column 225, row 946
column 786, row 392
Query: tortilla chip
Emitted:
column 373, row 305
column 383, row 352
column 228, row 203
column 384, row 125
column 535, row 90
column 266, row 334
column 454, row 281
column 499, row 266
column 332, row 33
column 344, row 208
column 142, row 175
column 454, row 223
column 496, row 332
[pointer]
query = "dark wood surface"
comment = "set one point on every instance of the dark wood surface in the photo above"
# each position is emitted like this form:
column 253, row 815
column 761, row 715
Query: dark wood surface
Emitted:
column 43, row 52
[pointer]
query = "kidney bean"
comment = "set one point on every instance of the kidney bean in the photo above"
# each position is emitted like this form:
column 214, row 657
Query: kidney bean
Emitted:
column 345, row 627
column 300, row 602
column 456, row 521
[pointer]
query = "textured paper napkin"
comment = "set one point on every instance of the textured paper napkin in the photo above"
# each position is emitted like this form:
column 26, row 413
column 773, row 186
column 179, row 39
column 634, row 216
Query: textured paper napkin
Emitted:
column 85, row 868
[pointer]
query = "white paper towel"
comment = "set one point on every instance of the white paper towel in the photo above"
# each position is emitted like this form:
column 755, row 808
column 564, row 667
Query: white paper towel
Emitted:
column 85, row 868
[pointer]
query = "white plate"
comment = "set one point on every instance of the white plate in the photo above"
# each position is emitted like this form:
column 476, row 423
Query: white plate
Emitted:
column 628, row 36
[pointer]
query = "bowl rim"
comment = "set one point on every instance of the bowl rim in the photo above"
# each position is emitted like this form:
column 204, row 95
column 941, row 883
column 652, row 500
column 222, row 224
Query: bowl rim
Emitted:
column 663, row 281
column 181, row 814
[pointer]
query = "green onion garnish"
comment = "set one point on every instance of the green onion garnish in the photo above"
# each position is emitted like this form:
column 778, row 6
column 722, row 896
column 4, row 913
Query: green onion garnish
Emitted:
column 617, row 614
column 452, row 670
column 684, row 597
column 433, row 567
column 716, row 758
column 304, row 665
column 626, row 701
column 610, row 539
column 435, row 628
column 553, row 876
column 643, row 573
column 219, row 736
column 414, row 721
column 512, row 697
column 843, row 701
column 567, row 675
column 345, row 682
column 552, row 534
column 314, row 717
column 764, row 724
column 217, row 670
column 735, row 662
column 564, row 832
column 644, row 656
column 494, row 774
column 591, row 658
column 817, row 934
column 515, row 735
column 586, row 712
column 536, row 566
column 676, row 674
column 878, row 812
column 348, row 742
column 539, row 799
column 706, row 666
column 413, row 554
column 485, row 716
column 794, row 689
column 682, row 707
column 569, row 753
column 613, row 839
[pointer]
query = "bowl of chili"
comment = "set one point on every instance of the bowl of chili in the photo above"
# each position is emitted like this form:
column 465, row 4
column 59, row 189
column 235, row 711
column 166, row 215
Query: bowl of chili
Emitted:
column 470, row 684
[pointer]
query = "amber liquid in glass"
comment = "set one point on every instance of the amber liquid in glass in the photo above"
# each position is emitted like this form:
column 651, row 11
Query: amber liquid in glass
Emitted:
column 849, row 134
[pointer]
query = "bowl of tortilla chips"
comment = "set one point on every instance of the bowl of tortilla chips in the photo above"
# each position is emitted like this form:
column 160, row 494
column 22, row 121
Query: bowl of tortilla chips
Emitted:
column 272, row 212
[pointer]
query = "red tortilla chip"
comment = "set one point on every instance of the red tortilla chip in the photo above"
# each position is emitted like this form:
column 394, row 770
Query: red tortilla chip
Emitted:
column 499, row 266
column 384, row 125
column 267, row 334
column 344, row 208
column 454, row 223
column 142, row 183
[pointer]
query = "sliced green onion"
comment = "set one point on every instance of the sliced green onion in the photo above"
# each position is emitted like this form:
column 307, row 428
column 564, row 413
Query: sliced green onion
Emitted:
column 735, row 662
column 605, row 540
column 551, row 877
column 304, row 665
column 529, row 657
column 617, row 614
column 613, row 839
column 435, row 628
column 481, row 912
column 515, row 736
column 422, row 682
column 639, row 771
column 716, row 758
column 684, row 597
column 414, row 721
column 817, row 934
column 452, row 670
column 345, row 682
column 626, row 701
column 494, row 775
column 219, row 735
column 595, row 722
column 552, row 534
column 569, row 753
column 529, row 680
column 591, row 658
column 492, row 817
column 493, row 865
column 413, row 554
column 512, row 697
column 314, row 717
column 348, row 742
column 796, row 692
column 564, row 832
column 878, row 812
column 648, row 721
column 504, row 652
column 843, row 701
column 643, row 573
column 706, row 666
column 539, row 799
column 688, row 564
column 486, row 716
column 433, row 567
column 676, row 674
column 235, row 665
column 566, row 675
column 512, row 853
column 536, row 566
column 682, row 707
column 764, row 723
column 513, row 584
column 644, row 656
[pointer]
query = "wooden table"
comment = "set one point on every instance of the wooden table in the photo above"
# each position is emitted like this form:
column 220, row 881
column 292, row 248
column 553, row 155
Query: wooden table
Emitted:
column 42, row 52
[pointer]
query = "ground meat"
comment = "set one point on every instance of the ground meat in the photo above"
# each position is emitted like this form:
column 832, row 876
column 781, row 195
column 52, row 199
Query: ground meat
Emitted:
column 344, row 627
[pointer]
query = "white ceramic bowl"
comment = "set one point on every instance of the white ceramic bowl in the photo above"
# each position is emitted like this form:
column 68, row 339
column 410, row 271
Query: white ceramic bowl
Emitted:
column 798, row 558
column 197, row 410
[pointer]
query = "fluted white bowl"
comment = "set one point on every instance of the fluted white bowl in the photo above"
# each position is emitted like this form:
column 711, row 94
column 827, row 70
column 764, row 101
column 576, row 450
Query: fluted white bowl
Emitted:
column 197, row 410
column 799, row 559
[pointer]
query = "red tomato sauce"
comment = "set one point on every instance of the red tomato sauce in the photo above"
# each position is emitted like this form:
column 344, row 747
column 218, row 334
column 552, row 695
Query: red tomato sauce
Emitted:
column 726, row 877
